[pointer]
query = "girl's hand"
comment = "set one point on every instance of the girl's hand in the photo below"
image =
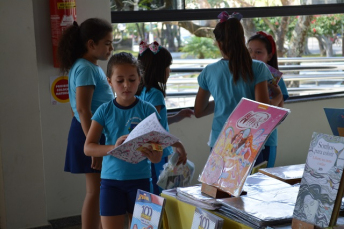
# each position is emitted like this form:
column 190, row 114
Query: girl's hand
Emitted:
column 182, row 154
column 276, row 93
column 97, row 163
column 153, row 155
column 185, row 113
column 120, row 140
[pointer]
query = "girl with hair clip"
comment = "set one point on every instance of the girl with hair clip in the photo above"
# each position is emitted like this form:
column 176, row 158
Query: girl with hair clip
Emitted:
column 120, row 179
column 79, row 50
column 235, row 76
column 156, row 61
column 263, row 47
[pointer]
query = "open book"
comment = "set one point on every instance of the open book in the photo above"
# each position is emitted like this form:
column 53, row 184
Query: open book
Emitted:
column 322, row 184
column 147, row 210
column 148, row 130
column 237, row 147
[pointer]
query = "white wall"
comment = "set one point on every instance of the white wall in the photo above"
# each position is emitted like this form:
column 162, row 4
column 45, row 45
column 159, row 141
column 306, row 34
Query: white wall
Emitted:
column 33, row 133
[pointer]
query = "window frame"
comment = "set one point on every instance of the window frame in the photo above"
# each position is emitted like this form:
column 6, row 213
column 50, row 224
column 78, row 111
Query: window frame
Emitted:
column 211, row 14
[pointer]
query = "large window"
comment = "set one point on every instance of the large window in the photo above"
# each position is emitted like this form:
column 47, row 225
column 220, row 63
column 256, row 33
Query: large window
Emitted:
column 309, row 39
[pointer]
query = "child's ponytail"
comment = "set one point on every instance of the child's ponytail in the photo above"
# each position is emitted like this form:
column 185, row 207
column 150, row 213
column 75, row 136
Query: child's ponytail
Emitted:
column 70, row 47
column 229, row 34
column 72, row 44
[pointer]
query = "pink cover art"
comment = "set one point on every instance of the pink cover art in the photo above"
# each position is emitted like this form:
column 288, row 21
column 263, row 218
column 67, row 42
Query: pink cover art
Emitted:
column 239, row 143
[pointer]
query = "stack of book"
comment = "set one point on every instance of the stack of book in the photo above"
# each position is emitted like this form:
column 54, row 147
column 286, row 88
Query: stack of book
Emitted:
column 262, row 209
column 193, row 195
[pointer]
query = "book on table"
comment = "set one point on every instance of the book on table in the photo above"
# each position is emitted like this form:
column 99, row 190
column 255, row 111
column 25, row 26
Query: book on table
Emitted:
column 239, row 143
column 148, row 131
column 148, row 210
column 290, row 174
column 321, row 188
column 203, row 219
column 335, row 117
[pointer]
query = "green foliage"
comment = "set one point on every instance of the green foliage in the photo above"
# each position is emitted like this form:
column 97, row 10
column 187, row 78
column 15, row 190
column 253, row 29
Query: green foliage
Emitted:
column 201, row 47
column 327, row 25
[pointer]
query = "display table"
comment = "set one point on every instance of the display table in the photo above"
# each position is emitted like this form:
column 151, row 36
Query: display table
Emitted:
column 178, row 214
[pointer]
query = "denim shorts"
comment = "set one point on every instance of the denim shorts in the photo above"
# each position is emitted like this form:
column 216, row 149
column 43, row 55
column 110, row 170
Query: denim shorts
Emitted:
column 117, row 197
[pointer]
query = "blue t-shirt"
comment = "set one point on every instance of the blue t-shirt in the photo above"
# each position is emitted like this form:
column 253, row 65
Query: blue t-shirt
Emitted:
column 218, row 80
column 85, row 73
column 272, row 140
column 156, row 98
column 118, row 121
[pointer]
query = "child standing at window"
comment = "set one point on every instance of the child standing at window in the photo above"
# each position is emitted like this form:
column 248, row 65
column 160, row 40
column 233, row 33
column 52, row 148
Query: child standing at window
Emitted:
column 156, row 61
column 79, row 50
column 120, row 179
column 235, row 76
column 263, row 47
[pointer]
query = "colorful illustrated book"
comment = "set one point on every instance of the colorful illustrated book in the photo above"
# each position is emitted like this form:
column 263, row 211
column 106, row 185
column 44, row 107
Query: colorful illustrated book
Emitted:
column 276, row 77
column 174, row 175
column 321, row 189
column 147, row 211
column 237, row 147
column 148, row 130
column 335, row 117
column 205, row 220
column 290, row 174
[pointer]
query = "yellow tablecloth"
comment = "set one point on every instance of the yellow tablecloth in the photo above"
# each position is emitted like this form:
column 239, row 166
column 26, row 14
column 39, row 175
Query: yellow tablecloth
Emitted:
column 179, row 215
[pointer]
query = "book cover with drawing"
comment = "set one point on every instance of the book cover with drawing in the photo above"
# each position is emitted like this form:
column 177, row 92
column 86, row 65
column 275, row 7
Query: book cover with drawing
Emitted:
column 335, row 117
column 276, row 77
column 205, row 220
column 147, row 131
column 321, row 189
column 239, row 142
column 147, row 210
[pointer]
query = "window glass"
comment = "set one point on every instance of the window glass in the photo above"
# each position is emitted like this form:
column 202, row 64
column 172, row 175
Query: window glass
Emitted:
column 309, row 47
column 136, row 5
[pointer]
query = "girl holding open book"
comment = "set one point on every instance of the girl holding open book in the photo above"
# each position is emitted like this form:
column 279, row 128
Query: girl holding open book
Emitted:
column 262, row 46
column 120, row 179
column 156, row 61
column 235, row 76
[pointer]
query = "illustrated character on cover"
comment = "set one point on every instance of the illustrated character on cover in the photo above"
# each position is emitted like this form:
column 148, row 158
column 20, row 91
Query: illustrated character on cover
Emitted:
column 245, row 151
column 313, row 204
column 224, row 144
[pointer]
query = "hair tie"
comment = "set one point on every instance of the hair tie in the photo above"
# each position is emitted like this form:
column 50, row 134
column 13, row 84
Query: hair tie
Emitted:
column 154, row 47
column 75, row 24
column 271, row 40
column 224, row 16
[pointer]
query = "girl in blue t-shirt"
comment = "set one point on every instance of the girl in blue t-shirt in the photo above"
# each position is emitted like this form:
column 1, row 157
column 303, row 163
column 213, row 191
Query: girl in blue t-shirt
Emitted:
column 262, row 46
column 79, row 50
column 120, row 179
column 235, row 76
column 156, row 61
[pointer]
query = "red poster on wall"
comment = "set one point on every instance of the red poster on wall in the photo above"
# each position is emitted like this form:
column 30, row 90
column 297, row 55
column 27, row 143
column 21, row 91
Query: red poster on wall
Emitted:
column 62, row 15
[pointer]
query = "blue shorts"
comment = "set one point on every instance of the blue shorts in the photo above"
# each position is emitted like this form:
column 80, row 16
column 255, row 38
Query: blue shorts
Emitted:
column 76, row 161
column 117, row 197
column 267, row 154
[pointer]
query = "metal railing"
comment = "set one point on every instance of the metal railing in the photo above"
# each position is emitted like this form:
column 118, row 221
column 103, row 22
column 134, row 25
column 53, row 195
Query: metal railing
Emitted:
column 303, row 76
